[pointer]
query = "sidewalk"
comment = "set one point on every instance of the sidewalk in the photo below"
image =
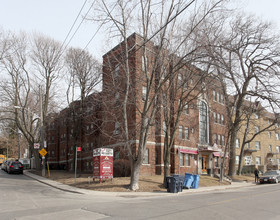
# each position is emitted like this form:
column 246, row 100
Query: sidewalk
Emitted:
column 67, row 188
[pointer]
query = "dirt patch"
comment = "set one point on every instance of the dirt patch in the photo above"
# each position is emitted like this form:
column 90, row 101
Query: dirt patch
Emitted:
column 119, row 184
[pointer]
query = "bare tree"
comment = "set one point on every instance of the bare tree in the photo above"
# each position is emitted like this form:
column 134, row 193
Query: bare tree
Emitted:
column 244, row 52
column 156, row 22
column 84, row 76
column 27, row 71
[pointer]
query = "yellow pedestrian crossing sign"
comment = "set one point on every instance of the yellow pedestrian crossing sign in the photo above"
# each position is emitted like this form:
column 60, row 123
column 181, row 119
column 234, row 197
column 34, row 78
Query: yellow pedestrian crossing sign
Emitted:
column 43, row 152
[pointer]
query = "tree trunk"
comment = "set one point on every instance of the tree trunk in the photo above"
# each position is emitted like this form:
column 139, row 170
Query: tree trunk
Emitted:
column 135, row 172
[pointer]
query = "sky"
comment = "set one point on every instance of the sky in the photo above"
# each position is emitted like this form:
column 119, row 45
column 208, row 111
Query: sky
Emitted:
column 54, row 18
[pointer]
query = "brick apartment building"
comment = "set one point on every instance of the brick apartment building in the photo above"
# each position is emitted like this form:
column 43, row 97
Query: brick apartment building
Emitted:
column 200, row 136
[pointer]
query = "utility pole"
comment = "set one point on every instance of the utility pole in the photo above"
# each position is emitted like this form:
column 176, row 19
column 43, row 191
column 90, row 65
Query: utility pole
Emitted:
column 42, row 132
column 18, row 142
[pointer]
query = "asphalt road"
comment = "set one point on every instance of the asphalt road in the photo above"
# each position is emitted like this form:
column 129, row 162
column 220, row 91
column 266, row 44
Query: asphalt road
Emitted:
column 25, row 198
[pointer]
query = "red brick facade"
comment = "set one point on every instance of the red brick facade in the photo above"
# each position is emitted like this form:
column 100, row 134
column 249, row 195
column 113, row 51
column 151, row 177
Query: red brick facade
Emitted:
column 102, row 121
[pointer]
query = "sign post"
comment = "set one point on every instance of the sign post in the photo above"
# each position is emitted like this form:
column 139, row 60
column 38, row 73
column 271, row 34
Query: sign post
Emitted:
column 78, row 149
column 102, row 163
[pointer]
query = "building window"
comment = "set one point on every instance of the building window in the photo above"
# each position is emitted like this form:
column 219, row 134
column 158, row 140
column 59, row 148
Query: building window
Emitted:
column 180, row 132
column 186, row 109
column 203, row 123
column 237, row 143
column 248, row 160
column 277, row 136
column 258, row 161
column 144, row 63
column 117, row 155
column 219, row 139
column 236, row 159
column 277, row 149
column 247, row 145
column 222, row 98
column 218, row 118
column 144, row 93
column 258, row 145
column 214, row 95
column 117, row 128
column 270, row 148
column 222, row 120
column 117, row 97
column 223, row 140
column 146, row 157
column 257, row 129
column 181, row 157
column 215, row 117
column 164, row 128
column 256, row 116
column 215, row 138
column 269, row 134
column 187, row 133
column 278, row 161
column 180, row 80
column 187, row 160
column 117, row 71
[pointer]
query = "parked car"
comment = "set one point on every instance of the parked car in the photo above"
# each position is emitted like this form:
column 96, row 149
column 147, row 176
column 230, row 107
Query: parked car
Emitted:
column 4, row 165
column 15, row 167
column 270, row 176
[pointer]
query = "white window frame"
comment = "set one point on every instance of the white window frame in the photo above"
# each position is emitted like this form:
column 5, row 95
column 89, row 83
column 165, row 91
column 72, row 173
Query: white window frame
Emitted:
column 258, row 145
column 237, row 143
column 144, row 93
column 248, row 160
column 180, row 132
column 117, row 71
column 186, row 133
column 146, row 156
column 277, row 136
column 258, row 161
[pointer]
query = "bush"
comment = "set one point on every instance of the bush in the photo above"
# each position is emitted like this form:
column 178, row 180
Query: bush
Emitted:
column 122, row 168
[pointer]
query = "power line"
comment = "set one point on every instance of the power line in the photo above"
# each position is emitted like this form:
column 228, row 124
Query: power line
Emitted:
column 78, row 26
column 74, row 23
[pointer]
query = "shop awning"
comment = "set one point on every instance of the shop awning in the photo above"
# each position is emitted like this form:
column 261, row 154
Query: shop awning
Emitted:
column 218, row 154
column 188, row 151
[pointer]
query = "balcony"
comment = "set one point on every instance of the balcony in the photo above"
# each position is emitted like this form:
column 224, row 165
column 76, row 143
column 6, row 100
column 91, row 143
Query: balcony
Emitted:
column 250, row 150
column 272, row 153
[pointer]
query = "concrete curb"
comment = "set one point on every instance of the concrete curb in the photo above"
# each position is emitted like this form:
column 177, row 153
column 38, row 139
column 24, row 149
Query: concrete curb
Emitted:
column 131, row 194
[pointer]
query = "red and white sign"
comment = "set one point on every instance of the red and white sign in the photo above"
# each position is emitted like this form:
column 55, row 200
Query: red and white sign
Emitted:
column 103, row 163
column 79, row 149
column 36, row 146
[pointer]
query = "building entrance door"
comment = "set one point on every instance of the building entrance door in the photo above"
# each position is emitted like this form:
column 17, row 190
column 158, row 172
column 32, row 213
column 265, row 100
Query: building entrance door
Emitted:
column 204, row 163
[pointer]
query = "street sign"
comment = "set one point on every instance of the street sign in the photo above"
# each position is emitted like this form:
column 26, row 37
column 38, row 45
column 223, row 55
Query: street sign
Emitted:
column 43, row 152
column 36, row 145
column 79, row 149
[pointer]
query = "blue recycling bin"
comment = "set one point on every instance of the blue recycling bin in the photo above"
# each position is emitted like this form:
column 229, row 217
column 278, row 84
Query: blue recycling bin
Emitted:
column 188, row 180
column 195, row 182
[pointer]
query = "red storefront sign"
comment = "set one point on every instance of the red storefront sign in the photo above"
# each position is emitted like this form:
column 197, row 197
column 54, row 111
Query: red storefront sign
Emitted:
column 103, row 163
